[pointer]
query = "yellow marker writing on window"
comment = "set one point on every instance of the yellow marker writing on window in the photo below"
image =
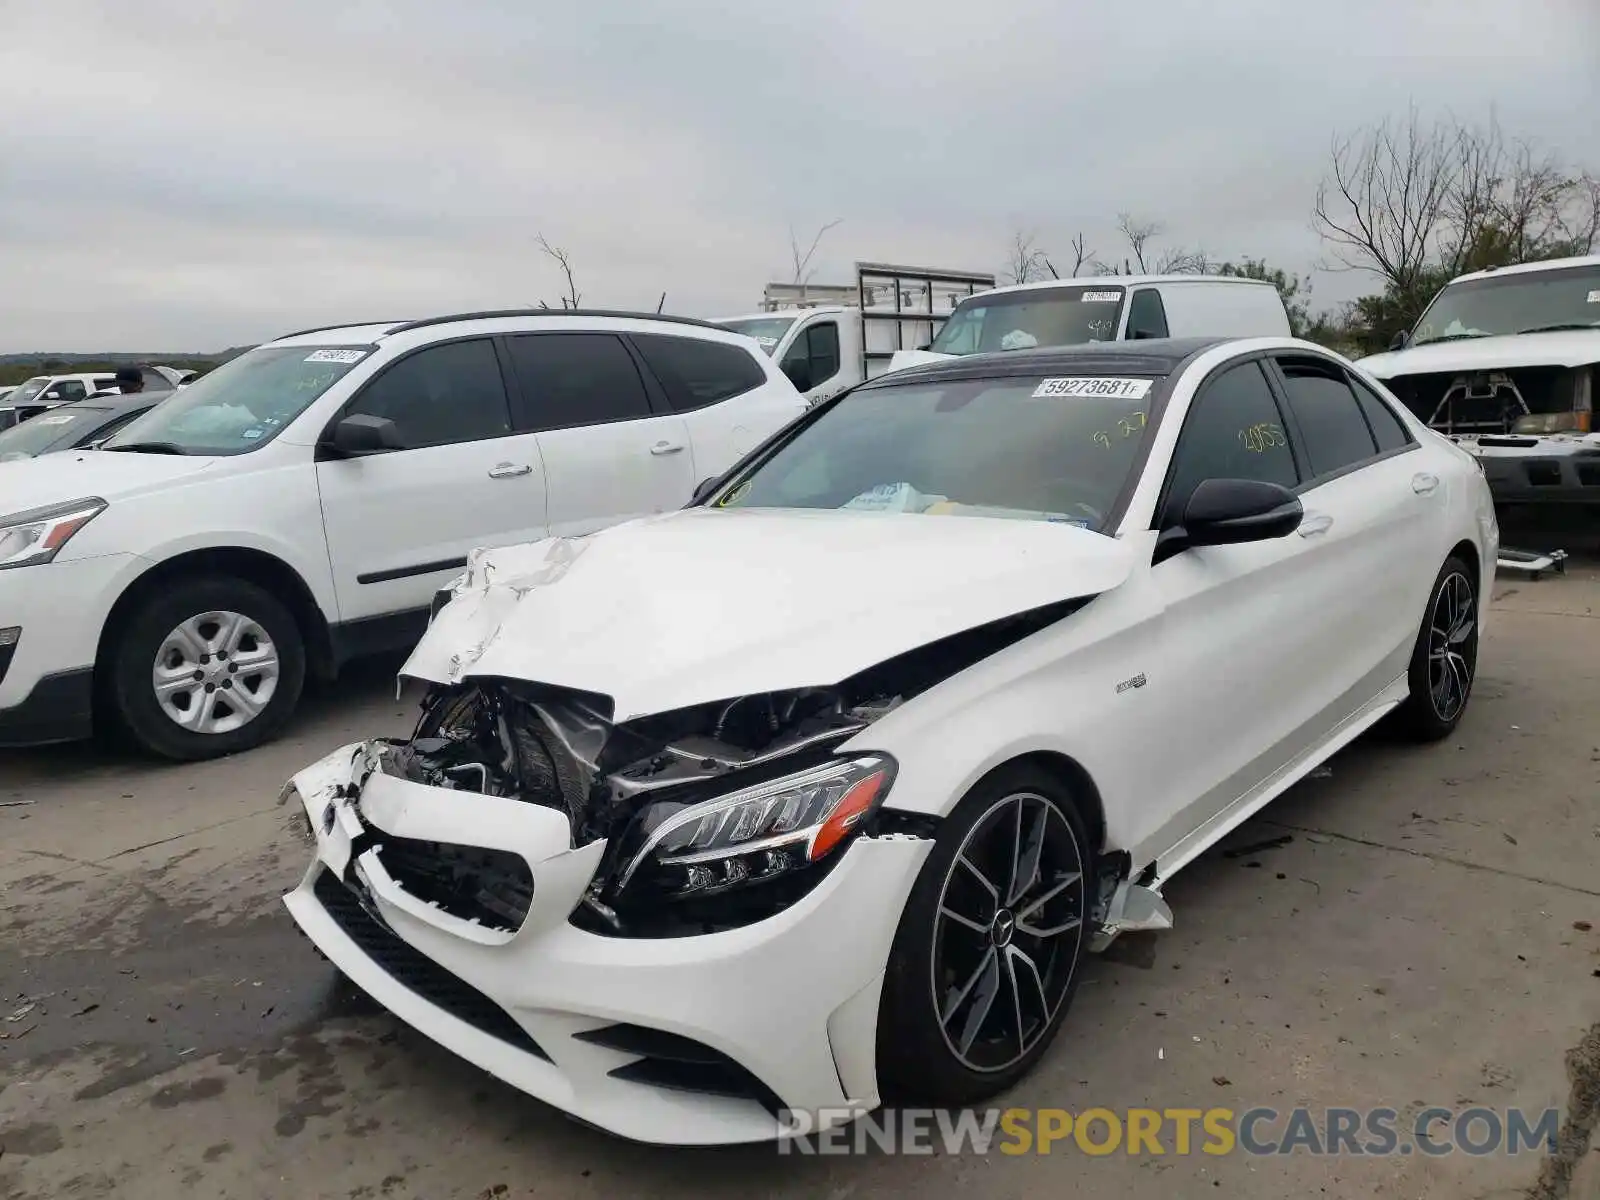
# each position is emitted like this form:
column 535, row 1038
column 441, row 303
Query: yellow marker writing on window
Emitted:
column 1262, row 437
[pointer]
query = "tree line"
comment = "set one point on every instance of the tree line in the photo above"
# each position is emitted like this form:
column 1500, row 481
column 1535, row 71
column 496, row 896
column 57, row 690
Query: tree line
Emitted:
column 1409, row 202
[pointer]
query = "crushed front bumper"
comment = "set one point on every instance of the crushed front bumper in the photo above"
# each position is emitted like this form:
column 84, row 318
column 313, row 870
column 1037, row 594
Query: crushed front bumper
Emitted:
column 689, row 1040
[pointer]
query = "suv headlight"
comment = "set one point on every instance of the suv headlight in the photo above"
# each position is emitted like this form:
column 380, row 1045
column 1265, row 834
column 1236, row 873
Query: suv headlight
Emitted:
column 36, row 536
column 760, row 833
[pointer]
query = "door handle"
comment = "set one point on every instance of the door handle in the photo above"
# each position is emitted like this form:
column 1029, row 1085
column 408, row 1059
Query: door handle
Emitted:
column 1314, row 524
column 665, row 447
column 1424, row 483
column 507, row 470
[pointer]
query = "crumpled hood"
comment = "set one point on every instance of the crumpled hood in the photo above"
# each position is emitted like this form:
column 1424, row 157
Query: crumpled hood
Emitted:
column 1569, row 348
column 706, row 604
column 73, row 475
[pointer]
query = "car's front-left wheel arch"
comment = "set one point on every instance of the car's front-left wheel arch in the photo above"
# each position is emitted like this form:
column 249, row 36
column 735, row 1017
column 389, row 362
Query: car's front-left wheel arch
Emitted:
column 1078, row 782
column 987, row 948
column 266, row 571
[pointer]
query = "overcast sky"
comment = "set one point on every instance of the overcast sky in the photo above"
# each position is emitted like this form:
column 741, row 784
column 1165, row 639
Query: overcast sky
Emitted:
column 179, row 176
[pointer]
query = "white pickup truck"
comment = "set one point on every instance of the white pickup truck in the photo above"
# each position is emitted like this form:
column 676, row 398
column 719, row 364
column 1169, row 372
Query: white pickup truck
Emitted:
column 829, row 338
column 1507, row 362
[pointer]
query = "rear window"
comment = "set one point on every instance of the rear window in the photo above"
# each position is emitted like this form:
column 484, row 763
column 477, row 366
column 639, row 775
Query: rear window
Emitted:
column 695, row 372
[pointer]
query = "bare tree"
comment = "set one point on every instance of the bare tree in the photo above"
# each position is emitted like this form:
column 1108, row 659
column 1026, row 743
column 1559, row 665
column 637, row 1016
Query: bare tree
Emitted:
column 1027, row 261
column 1416, row 202
column 1389, row 189
column 1082, row 256
column 802, row 262
column 1180, row 260
column 1138, row 235
column 1144, row 258
column 564, row 261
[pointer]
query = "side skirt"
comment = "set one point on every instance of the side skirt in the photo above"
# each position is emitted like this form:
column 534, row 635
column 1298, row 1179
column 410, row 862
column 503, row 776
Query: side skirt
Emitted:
column 1137, row 905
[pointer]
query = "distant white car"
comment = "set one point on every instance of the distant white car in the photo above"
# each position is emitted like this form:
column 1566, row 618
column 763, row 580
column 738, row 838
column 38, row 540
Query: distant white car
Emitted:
column 815, row 794
column 301, row 504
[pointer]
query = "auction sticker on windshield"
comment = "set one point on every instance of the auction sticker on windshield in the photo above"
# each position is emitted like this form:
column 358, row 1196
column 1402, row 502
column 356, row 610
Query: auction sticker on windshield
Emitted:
column 336, row 356
column 1101, row 297
column 1122, row 389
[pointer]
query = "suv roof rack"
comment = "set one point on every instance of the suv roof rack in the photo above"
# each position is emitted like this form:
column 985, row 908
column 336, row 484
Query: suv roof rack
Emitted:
column 555, row 312
column 325, row 328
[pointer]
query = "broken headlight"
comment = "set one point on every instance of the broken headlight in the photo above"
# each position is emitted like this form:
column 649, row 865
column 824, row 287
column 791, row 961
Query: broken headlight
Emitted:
column 768, row 831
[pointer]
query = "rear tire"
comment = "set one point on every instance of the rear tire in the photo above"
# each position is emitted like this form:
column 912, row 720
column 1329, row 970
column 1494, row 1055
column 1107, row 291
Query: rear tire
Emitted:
column 1444, row 661
column 985, row 960
column 204, row 667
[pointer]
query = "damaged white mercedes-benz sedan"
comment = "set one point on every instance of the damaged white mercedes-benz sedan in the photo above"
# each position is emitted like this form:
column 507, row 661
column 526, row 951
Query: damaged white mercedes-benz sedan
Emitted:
column 814, row 795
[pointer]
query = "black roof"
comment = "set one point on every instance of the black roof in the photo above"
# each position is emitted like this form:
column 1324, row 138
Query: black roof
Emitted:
column 1146, row 356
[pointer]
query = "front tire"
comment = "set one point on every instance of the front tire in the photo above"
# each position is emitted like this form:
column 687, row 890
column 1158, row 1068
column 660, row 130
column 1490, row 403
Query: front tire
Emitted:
column 205, row 667
column 1444, row 661
column 985, row 960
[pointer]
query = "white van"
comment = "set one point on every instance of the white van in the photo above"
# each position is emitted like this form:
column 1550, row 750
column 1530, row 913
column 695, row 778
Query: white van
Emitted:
column 1066, row 312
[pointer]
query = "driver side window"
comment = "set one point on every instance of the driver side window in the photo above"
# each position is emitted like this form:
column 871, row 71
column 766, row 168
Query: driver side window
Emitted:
column 1233, row 431
column 440, row 396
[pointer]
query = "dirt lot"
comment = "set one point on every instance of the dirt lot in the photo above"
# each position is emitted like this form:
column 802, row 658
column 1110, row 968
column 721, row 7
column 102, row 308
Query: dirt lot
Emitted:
column 1430, row 935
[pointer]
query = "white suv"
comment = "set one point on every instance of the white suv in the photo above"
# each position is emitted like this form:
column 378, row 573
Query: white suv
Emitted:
column 300, row 505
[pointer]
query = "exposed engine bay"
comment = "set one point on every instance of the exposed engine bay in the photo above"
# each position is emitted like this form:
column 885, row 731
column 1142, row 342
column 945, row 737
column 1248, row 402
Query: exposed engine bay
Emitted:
column 1521, row 400
column 558, row 748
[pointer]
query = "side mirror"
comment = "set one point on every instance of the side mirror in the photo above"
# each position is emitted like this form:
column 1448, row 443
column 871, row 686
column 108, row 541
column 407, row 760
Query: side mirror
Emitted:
column 359, row 435
column 925, row 346
column 799, row 372
column 1400, row 340
column 1226, row 512
column 703, row 489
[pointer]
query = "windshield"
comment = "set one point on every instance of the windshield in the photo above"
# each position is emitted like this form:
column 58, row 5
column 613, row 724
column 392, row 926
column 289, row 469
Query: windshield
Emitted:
column 59, row 427
column 243, row 404
column 1568, row 297
column 768, row 331
column 1028, row 447
column 1064, row 316
column 28, row 390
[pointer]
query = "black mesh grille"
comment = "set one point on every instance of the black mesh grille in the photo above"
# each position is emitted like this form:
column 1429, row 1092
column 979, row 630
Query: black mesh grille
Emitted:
column 680, row 1064
column 415, row 971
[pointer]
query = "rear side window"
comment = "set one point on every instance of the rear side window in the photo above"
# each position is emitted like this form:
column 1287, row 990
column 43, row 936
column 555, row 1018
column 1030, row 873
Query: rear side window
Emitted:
column 1233, row 431
column 1147, row 316
column 1335, row 433
column 571, row 379
column 695, row 372
column 1386, row 426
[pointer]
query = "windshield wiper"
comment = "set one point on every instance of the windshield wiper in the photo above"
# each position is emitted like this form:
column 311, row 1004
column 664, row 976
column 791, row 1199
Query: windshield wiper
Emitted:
column 148, row 448
column 1449, row 337
column 1561, row 327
